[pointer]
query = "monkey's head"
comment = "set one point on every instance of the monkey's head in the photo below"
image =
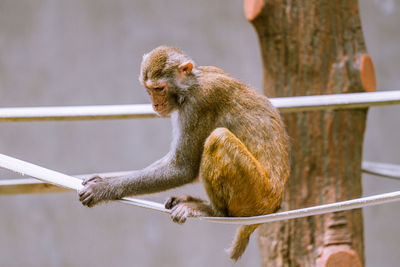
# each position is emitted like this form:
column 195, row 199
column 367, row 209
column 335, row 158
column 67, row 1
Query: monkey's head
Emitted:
column 168, row 75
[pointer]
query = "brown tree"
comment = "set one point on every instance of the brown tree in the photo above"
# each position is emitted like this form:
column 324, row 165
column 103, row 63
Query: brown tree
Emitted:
column 313, row 47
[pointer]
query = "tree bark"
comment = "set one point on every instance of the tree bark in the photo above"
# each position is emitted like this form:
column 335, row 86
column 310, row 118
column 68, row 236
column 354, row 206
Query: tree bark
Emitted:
column 315, row 47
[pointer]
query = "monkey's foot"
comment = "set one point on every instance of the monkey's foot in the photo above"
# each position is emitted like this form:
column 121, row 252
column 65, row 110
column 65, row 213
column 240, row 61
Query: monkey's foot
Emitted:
column 95, row 191
column 184, row 210
column 183, row 207
column 173, row 201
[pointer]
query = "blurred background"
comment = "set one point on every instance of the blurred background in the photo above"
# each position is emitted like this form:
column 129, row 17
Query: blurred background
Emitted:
column 87, row 52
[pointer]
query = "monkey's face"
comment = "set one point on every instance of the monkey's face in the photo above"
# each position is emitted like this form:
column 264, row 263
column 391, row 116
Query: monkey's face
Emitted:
column 163, row 104
column 165, row 73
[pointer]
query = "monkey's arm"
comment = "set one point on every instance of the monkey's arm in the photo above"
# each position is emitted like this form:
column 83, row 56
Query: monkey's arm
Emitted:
column 177, row 168
column 164, row 174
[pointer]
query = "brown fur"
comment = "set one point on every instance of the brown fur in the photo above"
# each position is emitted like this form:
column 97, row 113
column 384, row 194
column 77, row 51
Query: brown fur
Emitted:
column 225, row 133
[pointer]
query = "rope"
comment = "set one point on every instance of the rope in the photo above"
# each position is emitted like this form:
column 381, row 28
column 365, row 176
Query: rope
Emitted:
column 284, row 104
column 57, row 178
column 63, row 180
column 386, row 170
column 32, row 185
column 305, row 212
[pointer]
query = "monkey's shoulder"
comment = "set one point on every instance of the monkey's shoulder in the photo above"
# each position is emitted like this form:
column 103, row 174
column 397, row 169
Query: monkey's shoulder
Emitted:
column 214, row 78
column 212, row 69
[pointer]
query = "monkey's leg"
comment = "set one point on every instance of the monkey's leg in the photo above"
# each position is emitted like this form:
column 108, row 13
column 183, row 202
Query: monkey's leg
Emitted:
column 235, row 181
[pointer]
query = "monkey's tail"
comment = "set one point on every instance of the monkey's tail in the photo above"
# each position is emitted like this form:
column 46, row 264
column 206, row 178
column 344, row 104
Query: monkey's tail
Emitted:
column 240, row 241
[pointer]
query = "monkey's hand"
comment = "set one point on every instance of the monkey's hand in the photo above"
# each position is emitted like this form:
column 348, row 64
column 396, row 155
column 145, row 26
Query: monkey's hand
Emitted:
column 96, row 190
column 183, row 207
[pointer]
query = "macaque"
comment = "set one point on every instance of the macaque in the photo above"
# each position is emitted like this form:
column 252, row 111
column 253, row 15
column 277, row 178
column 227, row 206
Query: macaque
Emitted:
column 225, row 134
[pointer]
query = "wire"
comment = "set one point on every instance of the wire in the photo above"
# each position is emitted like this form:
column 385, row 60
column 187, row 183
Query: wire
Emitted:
column 386, row 170
column 284, row 104
column 57, row 178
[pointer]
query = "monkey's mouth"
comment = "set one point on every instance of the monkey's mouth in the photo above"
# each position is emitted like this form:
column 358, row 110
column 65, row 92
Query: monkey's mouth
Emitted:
column 161, row 110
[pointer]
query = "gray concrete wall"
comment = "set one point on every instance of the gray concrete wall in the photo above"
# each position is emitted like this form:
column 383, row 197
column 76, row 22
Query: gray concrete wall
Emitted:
column 381, row 22
column 87, row 52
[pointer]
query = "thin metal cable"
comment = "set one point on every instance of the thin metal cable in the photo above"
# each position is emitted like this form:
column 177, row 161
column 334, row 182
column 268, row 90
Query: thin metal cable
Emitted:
column 53, row 177
column 283, row 104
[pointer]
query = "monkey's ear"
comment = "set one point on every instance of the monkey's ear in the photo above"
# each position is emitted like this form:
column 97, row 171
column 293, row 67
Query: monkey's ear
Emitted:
column 186, row 67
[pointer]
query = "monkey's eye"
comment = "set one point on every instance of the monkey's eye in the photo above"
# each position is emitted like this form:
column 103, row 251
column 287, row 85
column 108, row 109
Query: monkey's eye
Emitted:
column 158, row 89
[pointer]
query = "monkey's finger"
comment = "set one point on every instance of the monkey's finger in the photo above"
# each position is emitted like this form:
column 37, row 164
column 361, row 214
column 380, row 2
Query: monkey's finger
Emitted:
column 87, row 180
column 175, row 214
column 169, row 204
column 184, row 216
column 87, row 201
column 92, row 203
column 179, row 214
column 84, row 195
column 82, row 192
column 179, row 219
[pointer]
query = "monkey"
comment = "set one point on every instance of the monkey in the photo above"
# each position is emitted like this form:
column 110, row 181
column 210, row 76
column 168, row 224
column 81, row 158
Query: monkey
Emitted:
column 225, row 134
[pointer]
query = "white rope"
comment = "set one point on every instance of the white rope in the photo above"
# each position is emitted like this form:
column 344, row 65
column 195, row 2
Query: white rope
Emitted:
column 53, row 177
column 336, row 101
column 316, row 210
column 31, row 185
column 382, row 169
column 284, row 104
column 57, row 178
column 77, row 113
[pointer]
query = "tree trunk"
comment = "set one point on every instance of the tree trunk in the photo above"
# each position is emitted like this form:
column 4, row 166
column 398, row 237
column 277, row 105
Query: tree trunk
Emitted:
column 313, row 47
